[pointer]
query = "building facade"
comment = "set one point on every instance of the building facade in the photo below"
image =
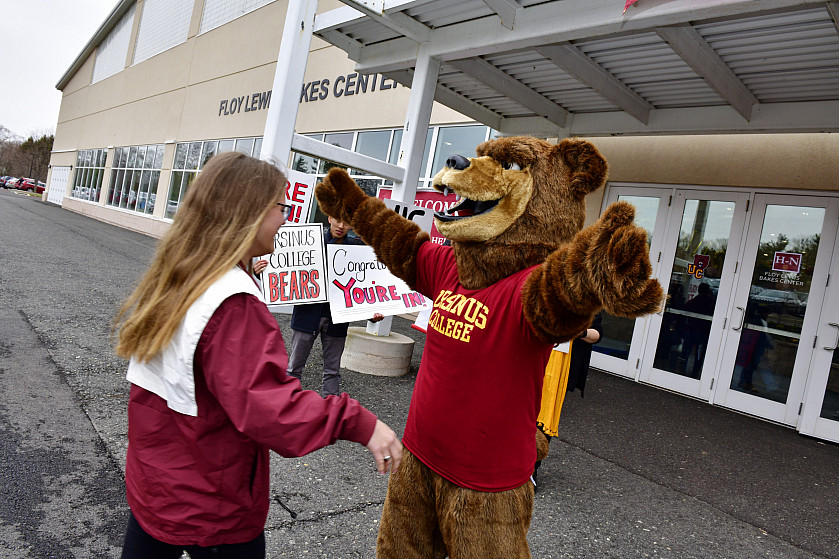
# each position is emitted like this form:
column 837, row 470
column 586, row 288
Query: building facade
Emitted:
column 165, row 85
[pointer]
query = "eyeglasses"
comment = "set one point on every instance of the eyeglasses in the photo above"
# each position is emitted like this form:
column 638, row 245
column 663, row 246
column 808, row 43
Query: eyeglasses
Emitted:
column 287, row 210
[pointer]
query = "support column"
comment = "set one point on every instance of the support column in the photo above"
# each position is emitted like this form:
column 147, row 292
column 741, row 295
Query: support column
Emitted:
column 417, row 119
column 288, row 80
column 413, row 143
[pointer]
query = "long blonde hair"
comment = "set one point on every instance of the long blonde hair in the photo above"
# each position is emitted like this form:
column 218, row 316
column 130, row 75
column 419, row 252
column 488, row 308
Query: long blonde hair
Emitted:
column 212, row 231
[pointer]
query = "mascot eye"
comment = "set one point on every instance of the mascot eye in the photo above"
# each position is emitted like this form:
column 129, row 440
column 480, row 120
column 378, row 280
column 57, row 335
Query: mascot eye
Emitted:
column 511, row 166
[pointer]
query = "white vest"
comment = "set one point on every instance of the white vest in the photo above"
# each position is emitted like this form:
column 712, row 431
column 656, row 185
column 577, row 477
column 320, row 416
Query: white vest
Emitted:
column 169, row 374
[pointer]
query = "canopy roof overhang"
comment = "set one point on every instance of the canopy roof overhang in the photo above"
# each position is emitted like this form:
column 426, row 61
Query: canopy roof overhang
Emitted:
column 558, row 68
column 582, row 67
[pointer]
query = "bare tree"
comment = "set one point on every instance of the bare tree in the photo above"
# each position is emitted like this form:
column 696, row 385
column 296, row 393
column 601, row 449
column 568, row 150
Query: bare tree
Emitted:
column 29, row 158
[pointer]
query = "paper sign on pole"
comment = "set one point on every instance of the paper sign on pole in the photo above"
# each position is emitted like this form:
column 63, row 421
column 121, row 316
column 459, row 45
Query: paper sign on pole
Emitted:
column 429, row 200
column 424, row 217
column 299, row 193
column 295, row 272
column 360, row 285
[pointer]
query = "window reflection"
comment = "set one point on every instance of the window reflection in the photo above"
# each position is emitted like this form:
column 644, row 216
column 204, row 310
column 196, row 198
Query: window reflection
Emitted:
column 617, row 332
column 87, row 180
column 830, row 405
column 693, row 287
column 774, row 315
column 456, row 140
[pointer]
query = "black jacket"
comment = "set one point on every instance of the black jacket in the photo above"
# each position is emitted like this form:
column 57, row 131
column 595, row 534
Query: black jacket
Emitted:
column 580, row 359
column 306, row 318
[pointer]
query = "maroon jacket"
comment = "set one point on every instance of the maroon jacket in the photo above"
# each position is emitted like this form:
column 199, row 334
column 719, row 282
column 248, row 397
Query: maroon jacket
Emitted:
column 204, row 480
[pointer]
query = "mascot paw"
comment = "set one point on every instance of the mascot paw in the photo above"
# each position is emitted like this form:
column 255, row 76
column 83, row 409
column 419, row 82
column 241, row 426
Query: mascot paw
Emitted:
column 620, row 265
column 339, row 196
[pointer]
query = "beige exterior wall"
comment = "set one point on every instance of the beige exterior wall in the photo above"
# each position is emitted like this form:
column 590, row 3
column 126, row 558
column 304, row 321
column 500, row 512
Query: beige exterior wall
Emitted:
column 338, row 111
column 126, row 219
column 795, row 161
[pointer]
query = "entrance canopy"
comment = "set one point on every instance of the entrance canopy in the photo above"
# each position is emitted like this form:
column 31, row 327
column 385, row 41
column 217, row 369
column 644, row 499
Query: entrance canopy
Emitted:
column 560, row 68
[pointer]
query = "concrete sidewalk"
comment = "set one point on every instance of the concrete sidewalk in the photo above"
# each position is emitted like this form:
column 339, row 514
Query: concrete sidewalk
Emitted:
column 635, row 471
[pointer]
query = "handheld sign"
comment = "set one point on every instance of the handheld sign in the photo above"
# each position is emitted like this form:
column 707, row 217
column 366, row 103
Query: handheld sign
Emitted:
column 299, row 191
column 424, row 217
column 360, row 285
column 295, row 272
column 428, row 200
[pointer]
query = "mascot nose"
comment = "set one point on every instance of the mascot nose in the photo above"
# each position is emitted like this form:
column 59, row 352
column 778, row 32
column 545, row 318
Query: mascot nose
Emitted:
column 457, row 162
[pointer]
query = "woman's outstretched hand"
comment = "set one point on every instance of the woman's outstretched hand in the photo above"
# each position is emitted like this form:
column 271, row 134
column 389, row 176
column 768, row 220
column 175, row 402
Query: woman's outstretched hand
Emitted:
column 385, row 447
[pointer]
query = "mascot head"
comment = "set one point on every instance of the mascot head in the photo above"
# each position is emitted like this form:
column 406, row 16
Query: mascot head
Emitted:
column 518, row 200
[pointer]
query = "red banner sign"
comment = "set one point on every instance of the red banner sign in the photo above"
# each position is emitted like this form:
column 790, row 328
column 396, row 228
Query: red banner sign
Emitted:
column 786, row 262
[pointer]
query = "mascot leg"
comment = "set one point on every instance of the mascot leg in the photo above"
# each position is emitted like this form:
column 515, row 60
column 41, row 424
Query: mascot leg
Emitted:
column 426, row 516
column 408, row 528
column 484, row 525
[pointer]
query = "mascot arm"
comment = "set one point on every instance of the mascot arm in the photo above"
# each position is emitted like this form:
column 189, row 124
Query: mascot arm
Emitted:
column 395, row 239
column 606, row 265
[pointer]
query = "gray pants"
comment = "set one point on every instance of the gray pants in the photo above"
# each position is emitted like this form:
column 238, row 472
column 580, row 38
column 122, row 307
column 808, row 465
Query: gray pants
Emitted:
column 301, row 346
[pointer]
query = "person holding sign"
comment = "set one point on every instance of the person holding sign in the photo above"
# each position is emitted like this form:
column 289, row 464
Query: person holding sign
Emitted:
column 309, row 321
column 209, row 391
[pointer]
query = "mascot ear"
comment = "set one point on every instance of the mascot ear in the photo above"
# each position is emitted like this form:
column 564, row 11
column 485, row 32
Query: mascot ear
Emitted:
column 587, row 169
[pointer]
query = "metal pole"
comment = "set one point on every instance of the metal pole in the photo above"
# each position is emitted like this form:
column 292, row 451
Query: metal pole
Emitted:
column 413, row 143
column 288, row 80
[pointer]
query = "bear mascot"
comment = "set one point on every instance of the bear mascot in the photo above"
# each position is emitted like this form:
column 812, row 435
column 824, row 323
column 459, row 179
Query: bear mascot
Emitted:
column 521, row 274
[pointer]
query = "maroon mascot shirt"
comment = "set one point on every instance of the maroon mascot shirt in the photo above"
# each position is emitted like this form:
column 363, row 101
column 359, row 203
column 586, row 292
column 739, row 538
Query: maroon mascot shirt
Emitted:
column 473, row 412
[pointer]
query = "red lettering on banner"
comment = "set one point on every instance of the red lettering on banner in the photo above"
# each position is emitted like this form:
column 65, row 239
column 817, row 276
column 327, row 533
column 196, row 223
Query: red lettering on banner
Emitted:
column 282, row 286
column 362, row 295
column 273, row 290
column 294, row 285
column 313, row 279
column 304, row 284
column 294, row 290
column 299, row 188
column 346, row 289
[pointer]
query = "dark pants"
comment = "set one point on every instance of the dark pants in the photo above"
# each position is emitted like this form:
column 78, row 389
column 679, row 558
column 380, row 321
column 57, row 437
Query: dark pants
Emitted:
column 140, row 545
column 301, row 346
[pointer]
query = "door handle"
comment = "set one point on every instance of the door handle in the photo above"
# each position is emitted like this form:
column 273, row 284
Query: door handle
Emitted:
column 836, row 343
column 742, row 318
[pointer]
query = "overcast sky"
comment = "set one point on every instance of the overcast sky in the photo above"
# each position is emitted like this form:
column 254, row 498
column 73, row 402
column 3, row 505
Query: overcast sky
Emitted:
column 41, row 39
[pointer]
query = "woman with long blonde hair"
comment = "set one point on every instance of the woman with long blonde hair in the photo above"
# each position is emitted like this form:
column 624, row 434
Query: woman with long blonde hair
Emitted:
column 209, row 390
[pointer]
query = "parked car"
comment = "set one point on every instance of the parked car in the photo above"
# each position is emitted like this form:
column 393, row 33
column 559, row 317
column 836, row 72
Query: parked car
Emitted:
column 32, row 185
column 8, row 182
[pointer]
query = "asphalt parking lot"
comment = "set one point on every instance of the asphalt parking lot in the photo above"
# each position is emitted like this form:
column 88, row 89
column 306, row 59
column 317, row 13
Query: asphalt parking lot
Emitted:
column 635, row 472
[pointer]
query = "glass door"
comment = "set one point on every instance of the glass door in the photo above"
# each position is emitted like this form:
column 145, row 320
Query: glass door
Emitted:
column 772, row 322
column 703, row 241
column 820, row 417
column 620, row 348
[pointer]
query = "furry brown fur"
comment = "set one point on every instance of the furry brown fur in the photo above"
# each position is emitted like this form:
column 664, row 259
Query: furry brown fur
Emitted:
column 524, row 205
column 474, row 524
column 553, row 181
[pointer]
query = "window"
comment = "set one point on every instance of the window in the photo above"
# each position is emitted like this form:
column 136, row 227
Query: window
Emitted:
column 456, row 140
column 190, row 158
column 112, row 52
column 90, row 166
column 219, row 12
column 135, row 172
column 163, row 25
column 384, row 145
